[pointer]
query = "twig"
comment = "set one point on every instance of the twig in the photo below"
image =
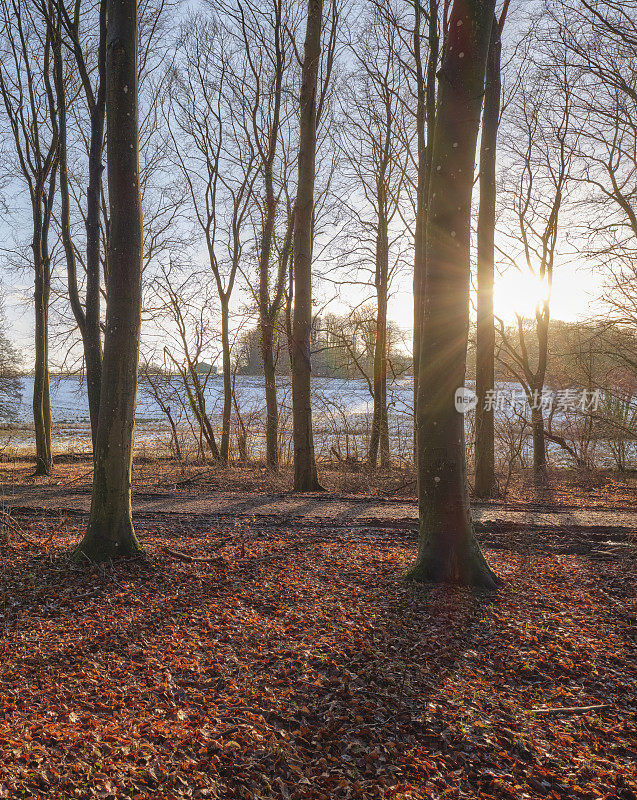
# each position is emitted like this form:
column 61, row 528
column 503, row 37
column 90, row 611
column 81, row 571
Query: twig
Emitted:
column 191, row 478
column 569, row 709
column 399, row 488
column 189, row 558
column 8, row 520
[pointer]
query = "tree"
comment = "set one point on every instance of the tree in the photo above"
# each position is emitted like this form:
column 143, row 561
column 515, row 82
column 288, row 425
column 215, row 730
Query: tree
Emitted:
column 485, row 330
column 181, row 313
column 110, row 530
column 540, row 147
column 601, row 41
column 10, row 384
column 447, row 547
column 425, row 120
column 305, row 472
column 28, row 99
column 263, row 77
column 215, row 155
column 376, row 150
column 87, row 314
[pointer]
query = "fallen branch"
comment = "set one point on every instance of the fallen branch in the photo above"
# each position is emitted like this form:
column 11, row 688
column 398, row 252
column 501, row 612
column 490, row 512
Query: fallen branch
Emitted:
column 399, row 488
column 7, row 519
column 191, row 478
column 569, row 709
column 186, row 557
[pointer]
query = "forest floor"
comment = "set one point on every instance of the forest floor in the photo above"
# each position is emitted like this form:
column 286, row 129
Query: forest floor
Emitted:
column 296, row 663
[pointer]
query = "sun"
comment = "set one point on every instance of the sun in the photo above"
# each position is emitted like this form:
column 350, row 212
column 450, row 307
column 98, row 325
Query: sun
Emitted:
column 519, row 292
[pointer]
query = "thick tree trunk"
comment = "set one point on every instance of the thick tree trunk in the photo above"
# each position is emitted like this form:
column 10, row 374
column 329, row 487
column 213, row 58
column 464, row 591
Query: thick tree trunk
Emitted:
column 110, row 529
column 485, row 337
column 227, row 381
column 305, row 473
column 447, row 547
column 540, row 473
column 272, row 408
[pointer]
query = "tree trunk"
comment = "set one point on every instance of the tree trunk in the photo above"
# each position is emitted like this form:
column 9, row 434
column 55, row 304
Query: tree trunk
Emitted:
column 42, row 208
column 88, row 318
column 305, row 473
column 92, row 338
column 380, row 435
column 447, row 547
column 110, row 528
column 272, row 408
column 41, row 390
column 425, row 120
column 485, row 337
column 540, row 473
column 227, row 381
column 384, row 425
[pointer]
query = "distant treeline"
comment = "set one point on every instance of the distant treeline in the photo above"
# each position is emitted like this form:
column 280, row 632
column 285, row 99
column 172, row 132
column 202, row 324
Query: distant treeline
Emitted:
column 342, row 347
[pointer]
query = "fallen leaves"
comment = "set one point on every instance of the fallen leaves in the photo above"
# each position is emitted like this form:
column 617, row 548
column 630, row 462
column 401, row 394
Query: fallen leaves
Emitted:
column 298, row 665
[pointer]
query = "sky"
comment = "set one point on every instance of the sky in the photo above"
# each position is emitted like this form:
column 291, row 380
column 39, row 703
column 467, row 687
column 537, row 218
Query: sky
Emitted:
column 576, row 290
column 575, row 296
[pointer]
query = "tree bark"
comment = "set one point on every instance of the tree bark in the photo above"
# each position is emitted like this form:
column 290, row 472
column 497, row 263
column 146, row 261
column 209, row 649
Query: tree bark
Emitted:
column 379, row 438
column 88, row 317
column 110, row 530
column 42, row 210
column 227, row 381
column 540, row 473
column 425, row 120
column 41, row 389
column 447, row 547
column 305, row 472
column 267, row 326
column 92, row 338
column 485, row 336
column 272, row 408
column 29, row 103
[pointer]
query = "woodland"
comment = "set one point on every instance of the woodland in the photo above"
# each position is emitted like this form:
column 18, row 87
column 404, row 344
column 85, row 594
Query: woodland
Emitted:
column 318, row 399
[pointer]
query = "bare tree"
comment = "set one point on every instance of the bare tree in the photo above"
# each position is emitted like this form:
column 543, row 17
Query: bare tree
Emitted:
column 215, row 154
column 425, row 76
column 305, row 472
column 540, row 149
column 26, row 85
column 485, row 333
column 601, row 40
column 79, row 56
column 110, row 530
column 181, row 310
column 447, row 547
column 87, row 314
column 263, row 77
column 376, row 151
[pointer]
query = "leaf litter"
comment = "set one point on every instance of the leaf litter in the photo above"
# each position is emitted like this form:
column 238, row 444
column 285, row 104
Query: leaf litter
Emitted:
column 297, row 664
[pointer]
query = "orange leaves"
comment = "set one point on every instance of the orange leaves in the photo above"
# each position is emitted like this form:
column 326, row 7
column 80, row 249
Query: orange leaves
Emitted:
column 312, row 673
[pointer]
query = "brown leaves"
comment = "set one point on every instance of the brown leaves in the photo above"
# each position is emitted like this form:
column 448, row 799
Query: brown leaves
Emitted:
column 302, row 667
